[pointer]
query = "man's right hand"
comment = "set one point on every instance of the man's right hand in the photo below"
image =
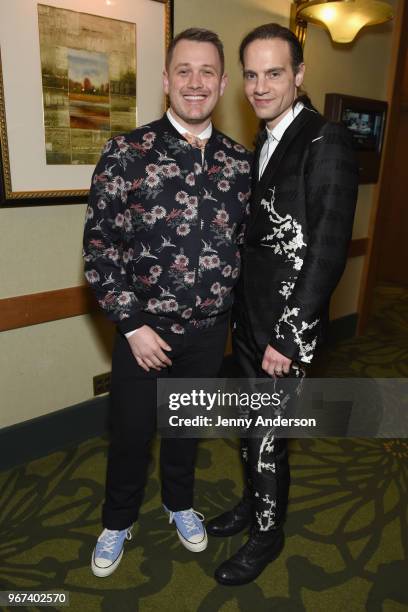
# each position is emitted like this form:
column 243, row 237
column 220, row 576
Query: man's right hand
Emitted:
column 147, row 348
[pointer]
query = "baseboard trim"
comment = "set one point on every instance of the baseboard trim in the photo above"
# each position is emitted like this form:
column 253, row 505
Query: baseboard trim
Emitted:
column 43, row 435
column 40, row 436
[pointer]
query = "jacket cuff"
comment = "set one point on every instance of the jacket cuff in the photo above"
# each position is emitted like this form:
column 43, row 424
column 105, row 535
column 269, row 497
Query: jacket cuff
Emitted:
column 288, row 349
column 132, row 323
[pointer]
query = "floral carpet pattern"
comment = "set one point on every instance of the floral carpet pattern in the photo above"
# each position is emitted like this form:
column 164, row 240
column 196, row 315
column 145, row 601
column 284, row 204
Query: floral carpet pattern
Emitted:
column 347, row 528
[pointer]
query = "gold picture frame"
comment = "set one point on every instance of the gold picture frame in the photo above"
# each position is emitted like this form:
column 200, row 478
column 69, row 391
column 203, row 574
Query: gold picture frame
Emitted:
column 25, row 177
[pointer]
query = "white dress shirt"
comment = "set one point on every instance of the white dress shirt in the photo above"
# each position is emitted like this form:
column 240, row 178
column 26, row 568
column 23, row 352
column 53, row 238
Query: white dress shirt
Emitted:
column 274, row 136
column 181, row 130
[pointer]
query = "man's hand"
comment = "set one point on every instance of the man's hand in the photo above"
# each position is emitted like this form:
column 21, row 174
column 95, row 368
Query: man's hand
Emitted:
column 147, row 348
column 274, row 363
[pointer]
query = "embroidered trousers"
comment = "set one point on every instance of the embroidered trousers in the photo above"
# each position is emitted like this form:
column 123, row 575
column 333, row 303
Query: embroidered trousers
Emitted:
column 265, row 459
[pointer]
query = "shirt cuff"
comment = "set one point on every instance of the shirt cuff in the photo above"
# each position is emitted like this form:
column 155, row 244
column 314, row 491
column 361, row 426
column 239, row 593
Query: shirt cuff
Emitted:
column 128, row 334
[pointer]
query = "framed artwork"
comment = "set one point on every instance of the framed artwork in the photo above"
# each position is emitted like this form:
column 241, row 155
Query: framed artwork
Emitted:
column 73, row 73
column 365, row 119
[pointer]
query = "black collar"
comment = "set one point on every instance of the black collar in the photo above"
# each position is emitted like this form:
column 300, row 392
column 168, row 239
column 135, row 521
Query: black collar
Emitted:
column 290, row 133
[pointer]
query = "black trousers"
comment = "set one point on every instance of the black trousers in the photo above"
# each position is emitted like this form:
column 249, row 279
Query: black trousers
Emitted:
column 265, row 459
column 195, row 354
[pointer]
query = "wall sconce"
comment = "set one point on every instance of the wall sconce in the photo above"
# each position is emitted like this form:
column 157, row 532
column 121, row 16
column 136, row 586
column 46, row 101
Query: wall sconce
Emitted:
column 343, row 18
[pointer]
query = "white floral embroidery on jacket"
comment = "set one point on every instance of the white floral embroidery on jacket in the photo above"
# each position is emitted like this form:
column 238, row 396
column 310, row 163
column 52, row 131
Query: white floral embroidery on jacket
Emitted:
column 286, row 237
column 306, row 349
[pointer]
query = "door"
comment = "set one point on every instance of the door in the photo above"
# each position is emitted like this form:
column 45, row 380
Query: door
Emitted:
column 393, row 259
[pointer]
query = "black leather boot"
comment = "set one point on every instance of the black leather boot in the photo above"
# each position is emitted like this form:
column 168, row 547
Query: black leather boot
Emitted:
column 252, row 558
column 233, row 521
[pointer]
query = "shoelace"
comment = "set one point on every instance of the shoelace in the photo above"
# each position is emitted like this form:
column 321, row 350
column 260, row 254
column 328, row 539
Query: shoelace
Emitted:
column 248, row 547
column 189, row 518
column 109, row 540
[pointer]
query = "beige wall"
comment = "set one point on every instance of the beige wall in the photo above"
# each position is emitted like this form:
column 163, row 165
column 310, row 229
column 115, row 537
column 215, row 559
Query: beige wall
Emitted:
column 232, row 19
column 47, row 367
column 360, row 69
column 50, row 366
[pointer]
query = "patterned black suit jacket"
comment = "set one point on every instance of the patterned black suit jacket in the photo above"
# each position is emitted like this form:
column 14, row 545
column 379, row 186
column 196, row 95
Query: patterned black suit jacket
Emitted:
column 300, row 225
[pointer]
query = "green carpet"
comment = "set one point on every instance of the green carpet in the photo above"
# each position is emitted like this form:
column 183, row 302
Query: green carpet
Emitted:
column 347, row 529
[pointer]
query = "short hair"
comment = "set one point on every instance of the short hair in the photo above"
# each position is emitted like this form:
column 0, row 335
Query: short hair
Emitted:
column 269, row 31
column 197, row 35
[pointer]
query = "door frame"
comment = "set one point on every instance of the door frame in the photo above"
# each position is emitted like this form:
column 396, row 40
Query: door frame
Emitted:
column 397, row 64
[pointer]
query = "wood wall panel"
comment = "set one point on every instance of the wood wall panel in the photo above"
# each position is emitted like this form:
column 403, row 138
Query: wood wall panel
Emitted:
column 393, row 242
column 35, row 308
column 358, row 247
column 395, row 98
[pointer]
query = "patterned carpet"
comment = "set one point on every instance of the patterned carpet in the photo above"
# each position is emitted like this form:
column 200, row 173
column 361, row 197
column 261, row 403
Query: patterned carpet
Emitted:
column 347, row 529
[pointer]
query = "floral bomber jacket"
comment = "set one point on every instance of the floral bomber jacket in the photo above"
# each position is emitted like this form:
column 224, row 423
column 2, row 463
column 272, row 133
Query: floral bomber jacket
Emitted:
column 163, row 228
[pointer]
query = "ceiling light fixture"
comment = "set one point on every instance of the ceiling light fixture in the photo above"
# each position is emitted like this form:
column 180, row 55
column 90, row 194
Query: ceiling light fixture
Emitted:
column 343, row 18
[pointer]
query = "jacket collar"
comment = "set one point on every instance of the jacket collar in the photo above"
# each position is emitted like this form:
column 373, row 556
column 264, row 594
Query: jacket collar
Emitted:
column 166, row 126
column 290, row 133
column 182, row 130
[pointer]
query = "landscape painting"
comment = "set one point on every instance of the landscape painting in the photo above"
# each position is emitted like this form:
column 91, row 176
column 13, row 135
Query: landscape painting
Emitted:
column 88, row 69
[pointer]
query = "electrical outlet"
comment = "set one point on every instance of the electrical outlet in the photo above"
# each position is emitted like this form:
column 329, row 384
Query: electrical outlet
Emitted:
column 101, row 383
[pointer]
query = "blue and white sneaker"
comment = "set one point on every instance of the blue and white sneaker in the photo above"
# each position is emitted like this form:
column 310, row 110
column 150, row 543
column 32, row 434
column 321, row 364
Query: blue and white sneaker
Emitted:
column 108, row 551
column 190, row 528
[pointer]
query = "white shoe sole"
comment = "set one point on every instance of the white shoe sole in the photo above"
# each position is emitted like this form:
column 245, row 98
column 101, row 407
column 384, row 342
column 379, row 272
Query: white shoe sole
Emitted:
column 102, row 572
column 200, row 546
